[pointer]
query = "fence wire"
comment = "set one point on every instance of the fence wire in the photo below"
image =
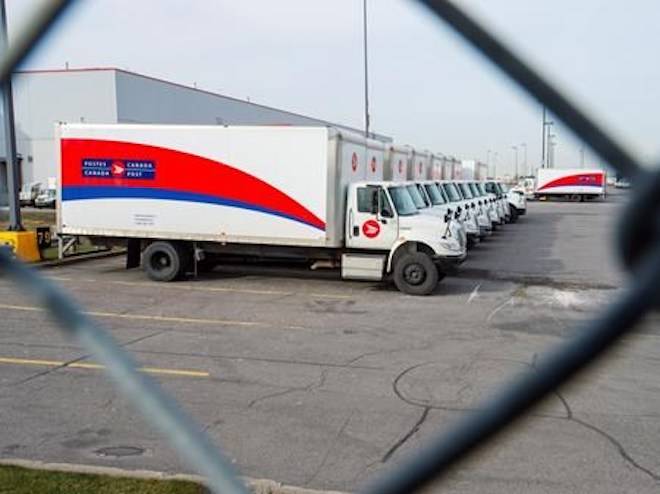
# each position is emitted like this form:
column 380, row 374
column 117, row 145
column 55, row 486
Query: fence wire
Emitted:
column 637, row 240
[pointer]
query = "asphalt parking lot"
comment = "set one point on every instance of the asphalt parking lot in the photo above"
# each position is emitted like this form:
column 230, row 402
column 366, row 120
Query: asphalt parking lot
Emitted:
column 312, row 381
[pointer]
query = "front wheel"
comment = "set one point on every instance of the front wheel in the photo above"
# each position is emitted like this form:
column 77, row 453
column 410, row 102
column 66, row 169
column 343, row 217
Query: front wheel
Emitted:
column 415, row 274
column 514, row 215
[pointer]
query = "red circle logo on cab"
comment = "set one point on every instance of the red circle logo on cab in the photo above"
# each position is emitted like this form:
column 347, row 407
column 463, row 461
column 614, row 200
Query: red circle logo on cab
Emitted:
column 354, row 161
column 370, row 228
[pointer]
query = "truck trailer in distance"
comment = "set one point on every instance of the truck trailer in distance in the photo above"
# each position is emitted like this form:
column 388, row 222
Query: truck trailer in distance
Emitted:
column 570, row 183
column 185, row 197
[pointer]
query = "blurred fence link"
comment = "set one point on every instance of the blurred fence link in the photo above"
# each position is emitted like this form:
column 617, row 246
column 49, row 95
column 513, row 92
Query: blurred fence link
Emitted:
column 638, row 238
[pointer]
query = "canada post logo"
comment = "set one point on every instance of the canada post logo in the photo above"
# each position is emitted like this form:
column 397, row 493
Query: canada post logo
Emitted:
column 118, row 168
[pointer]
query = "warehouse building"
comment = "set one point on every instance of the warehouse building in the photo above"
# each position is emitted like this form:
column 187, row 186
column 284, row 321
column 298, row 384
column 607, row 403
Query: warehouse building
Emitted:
column 110, row 95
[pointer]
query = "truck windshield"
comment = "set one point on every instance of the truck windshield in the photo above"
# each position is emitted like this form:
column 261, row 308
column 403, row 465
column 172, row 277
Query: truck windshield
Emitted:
column 465, row 190
column 416, row 196
column 482, row 188
column 451, row 191
column 403, row 203
column 434, row 194
column 474, row 189
column 425, row 196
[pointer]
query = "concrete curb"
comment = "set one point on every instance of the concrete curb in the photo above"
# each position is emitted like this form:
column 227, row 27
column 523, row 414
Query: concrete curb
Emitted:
column 257, row 486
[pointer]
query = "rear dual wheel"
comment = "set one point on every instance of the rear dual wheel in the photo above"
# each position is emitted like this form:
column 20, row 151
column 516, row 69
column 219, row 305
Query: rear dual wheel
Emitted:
column 166, row 261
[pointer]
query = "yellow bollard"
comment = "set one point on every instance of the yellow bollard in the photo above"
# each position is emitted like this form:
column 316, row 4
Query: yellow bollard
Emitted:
column 24, row 245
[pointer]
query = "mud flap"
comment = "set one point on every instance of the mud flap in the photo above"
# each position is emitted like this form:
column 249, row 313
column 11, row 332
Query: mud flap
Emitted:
column 133, row 253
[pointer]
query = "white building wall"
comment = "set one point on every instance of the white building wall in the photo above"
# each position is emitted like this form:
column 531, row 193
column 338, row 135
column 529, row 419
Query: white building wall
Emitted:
column 43, row 98
column 142, row 99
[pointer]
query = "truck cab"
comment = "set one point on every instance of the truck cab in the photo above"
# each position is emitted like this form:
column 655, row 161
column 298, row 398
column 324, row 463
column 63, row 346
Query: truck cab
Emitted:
column 464, row 212
column 438, row 209
column 417, row 249
column 494, row 190
column 495, row 212
column 481, row 213
column 516, row 199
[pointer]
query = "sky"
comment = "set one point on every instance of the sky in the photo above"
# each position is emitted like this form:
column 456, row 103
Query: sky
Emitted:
column 427, row 87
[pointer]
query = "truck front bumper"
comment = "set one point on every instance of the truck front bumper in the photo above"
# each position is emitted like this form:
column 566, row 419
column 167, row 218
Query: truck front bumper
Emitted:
column 450, row 264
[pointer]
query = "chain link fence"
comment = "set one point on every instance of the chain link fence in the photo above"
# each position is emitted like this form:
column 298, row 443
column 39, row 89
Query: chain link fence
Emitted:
column 636, row 243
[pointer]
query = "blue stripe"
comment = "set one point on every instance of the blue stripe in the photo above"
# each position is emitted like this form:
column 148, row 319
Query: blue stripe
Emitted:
column 86, row 193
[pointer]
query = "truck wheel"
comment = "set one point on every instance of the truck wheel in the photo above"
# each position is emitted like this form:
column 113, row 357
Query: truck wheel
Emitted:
column 164, row 261
column 514, row 215
column 415, row 274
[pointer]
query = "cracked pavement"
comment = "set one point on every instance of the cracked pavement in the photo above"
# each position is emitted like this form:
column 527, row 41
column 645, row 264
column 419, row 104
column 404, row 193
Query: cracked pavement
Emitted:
column 311, row 381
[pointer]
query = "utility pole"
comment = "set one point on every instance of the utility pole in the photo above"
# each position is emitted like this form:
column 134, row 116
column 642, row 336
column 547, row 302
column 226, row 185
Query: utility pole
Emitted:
column 551, row 150
column 524, row 163
column 11, row 166
column 548, row 125
column 515, row 148
column 488, row 161
column 366, row 70
column 495, row 165
column 543, row 141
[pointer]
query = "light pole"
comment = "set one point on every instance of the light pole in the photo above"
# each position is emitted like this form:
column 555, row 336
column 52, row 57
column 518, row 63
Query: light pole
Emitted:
column 551, row 150
column 515, row 176
column 495, row 165
column 11, row 164
column 488, row 161
column 524, row 163
column 548, row 127
column 543, row 141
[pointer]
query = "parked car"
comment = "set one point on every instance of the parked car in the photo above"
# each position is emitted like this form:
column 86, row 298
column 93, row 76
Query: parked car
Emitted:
column 29, row 193
column 46, row 199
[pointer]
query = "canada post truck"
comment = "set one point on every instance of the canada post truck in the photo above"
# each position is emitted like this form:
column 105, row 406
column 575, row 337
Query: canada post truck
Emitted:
column 183, row 197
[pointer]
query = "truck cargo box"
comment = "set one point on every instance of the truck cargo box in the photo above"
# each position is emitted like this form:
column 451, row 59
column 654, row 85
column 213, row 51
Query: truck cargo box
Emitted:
column 264, row 185
column 420, row 165
column 570, row 182
column 397, row 163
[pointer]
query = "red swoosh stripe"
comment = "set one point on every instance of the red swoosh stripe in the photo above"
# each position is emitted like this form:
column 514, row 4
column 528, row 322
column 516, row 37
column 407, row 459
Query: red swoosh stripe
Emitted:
column 180, row 172
column 581, row 179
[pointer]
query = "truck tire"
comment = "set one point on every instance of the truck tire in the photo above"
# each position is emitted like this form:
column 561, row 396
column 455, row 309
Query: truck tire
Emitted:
column 415, row 274
column 514, row 214
column 164, row 261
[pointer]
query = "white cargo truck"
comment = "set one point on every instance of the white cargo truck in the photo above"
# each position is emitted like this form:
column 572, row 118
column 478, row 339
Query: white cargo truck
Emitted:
column 420, row 165
column 464, row 211
column 397, row 162
column 428, row 200
column 474, row 170
column 573, row 183
column 456, row 169
column 437, row 161
column 183, row 196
